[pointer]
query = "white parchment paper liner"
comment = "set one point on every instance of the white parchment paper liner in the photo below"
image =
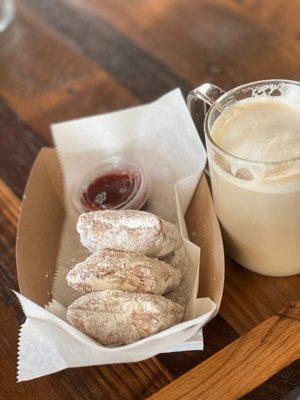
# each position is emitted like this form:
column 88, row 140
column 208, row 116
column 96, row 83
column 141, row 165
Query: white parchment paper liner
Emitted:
column 162, row 136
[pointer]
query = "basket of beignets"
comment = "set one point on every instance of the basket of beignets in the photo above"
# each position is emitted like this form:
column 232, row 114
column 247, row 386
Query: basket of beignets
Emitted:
column 119, row 250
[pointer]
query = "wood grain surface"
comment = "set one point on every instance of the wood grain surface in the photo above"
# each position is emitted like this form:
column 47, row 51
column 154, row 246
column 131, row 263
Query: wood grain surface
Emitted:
column 64, row 59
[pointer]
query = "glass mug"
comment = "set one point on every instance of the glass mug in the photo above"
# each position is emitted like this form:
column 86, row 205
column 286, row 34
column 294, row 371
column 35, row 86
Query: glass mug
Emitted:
column 7, row 13
column 257, row 202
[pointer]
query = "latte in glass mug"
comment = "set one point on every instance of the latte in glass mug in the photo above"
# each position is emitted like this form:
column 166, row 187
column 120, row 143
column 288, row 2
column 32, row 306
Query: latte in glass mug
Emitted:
column 253, row 144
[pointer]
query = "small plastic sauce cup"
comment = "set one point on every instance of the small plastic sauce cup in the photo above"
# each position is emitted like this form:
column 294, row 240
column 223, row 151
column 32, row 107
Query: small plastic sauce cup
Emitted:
column 117, row 183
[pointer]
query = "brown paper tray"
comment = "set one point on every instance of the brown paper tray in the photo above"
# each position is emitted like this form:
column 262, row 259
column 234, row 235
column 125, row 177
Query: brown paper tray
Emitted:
column 41, row 222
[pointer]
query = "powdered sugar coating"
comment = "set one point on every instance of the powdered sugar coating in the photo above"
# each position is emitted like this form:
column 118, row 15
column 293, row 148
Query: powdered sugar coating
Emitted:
column 127, row 271
column 115, row 318
column 128, row 230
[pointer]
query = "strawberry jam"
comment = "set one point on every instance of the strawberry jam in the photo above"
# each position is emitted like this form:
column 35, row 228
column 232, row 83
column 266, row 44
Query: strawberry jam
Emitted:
column 110, row 191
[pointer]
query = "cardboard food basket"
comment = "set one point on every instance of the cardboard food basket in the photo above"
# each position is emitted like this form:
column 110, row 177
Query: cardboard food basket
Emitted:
column 41, row 222
column 48, row 244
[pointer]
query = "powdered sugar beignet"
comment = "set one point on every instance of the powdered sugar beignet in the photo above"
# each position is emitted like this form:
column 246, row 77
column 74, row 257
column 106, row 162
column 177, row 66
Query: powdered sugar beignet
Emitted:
column 127, row 271
column 128, row 230
column 115, row 318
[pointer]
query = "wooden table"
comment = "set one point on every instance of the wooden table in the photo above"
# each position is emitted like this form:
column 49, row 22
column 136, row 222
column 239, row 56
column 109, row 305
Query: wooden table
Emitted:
column 64, row 59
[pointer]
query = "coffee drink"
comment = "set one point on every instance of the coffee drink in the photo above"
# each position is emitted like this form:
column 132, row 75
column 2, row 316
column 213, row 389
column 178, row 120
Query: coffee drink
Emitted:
column 255, row 175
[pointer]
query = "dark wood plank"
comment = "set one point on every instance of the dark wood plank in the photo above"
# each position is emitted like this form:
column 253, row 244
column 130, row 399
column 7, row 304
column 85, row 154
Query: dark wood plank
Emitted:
column 244, row 364
column 130, row 65
column 19, row 146
column 278, row 385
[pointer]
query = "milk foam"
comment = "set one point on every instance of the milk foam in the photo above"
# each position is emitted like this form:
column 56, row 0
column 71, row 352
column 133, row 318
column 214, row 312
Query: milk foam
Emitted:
column 260, row 129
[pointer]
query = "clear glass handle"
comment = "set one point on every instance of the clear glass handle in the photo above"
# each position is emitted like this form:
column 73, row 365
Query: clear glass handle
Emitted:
column 7, row 13
column 207, row 92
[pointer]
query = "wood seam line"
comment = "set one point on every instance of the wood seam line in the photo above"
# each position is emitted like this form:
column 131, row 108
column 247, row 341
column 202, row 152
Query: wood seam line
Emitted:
column 244, row 364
